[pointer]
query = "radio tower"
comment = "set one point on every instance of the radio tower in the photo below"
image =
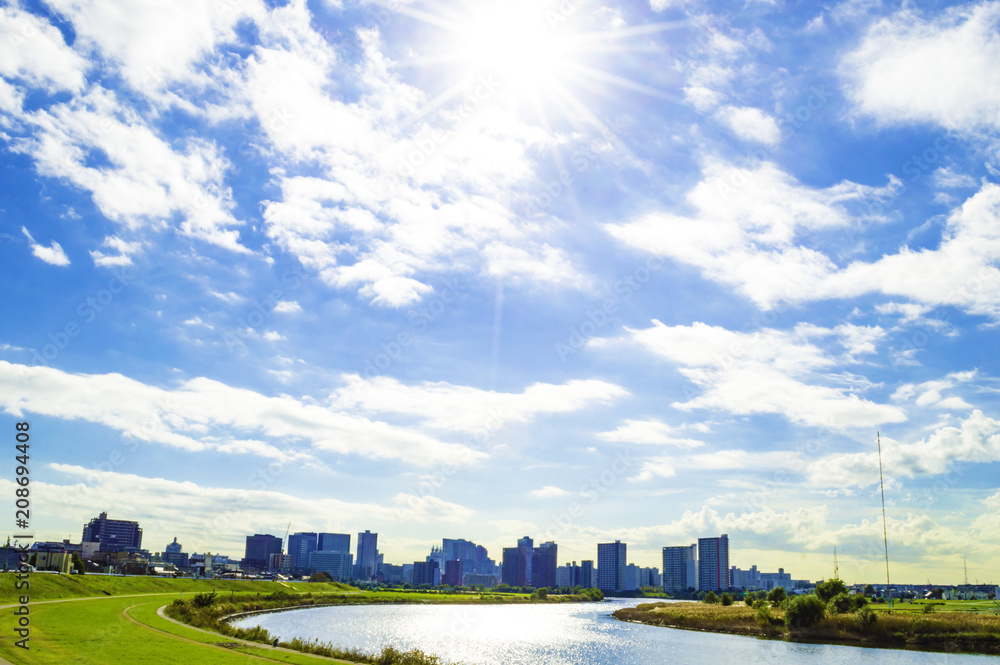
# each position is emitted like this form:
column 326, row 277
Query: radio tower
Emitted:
column 836, row 568
column 966, row 567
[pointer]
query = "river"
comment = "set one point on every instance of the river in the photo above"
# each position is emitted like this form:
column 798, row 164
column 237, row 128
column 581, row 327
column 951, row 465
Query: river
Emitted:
column 559, row 634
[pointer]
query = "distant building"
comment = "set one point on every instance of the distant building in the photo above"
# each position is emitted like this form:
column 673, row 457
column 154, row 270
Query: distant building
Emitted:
column 587, row 580
column 514, row 567
column 113, row 535
column 611, row 562
column 391, row 574
column 59, row 561
column 173, row 553
column 680, row 568
column 425, row 572
column 366, row 564
column 544, row 561
column 713, row 563
column 300, row 546
column 334, row 542
column 337, row 565
column 259, row 548
column 526, row 545
column 452, row 573
column 279, row 563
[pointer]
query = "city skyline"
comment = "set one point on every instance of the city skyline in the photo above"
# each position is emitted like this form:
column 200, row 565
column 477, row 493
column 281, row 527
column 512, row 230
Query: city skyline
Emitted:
column 645, row 272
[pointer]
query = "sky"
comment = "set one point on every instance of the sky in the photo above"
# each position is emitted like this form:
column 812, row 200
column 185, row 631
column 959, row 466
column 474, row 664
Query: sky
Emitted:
column 638, row 271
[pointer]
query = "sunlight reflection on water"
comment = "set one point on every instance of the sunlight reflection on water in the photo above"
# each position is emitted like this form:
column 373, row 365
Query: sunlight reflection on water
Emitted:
column 570, row 634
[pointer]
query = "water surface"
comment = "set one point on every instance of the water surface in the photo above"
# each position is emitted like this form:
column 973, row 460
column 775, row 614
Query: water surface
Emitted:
column 565, row 634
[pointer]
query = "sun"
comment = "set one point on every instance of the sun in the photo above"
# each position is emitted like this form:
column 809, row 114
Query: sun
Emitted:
column 522, row 44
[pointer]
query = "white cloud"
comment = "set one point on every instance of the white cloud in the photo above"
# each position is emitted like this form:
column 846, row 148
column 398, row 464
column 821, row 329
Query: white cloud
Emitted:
column 750, row 124
column 976, row 440
column 123, row 255
column 53, row 254
column 745, row 226
column 765, row 371
column 465, row 409
column 214, row 518
column 548, row 492
column 33, row 50
column 274, row 336
column 946, row 178
column 200, row 414
column 911, row 70
column 667, row 466
column 287, row 307
column 651, row 432
column 145, row 181
column 929, row 393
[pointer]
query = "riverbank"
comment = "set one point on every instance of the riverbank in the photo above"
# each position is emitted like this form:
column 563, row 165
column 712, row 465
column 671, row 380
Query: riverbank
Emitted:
column 952, row 632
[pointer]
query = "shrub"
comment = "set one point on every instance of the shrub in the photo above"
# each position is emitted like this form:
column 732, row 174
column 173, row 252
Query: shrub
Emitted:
column 727, row 599
column 764, row 616
column 749, row 599
column 865, row 619
column 860, row 602
column 842, row 603
column 804, row 611
column 830, row 588
column 203, row 599
column 711, row 598
column 927, row 608
column 777, row 595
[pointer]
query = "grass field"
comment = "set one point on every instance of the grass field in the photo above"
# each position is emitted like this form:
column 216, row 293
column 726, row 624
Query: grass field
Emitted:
column 102, row 620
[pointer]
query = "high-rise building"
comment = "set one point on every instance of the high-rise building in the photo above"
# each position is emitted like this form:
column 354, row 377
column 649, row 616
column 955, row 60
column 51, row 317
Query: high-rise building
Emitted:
column 713, row 563
column 334, row 542
column 514, row 567
column 587, row 580
column 113, row 535
column 174, row 553
column 300, row 546
column 544, row 561
column 452, row 573
column 680, row 568
column 259, row 548
column 425, row 572
column 611, row 566
column 335, row 564
column 526, row 545
column 367, row 559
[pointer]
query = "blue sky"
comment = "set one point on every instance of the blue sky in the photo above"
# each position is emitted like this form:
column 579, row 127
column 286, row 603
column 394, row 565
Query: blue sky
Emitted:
column 580, row 271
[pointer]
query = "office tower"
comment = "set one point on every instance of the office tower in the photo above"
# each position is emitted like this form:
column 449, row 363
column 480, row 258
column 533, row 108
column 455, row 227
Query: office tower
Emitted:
column 713, row 563
column 515, row 570
column 259, row 548
column 300, row 545
column 544, row 562
column 113, row 535
column 452, row 573
column 611, row 566
column 367, row 559
column 679, row 568
column 587, row 580
column 334, row 542
column 425, row 572
column 526, row 545
column 335, row 564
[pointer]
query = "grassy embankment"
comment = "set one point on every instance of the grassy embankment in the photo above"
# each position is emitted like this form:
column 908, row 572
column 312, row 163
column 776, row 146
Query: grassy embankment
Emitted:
column 102, row 620
column 911, row 627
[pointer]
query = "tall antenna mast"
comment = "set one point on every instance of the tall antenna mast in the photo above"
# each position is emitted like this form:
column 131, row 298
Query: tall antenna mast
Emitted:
column 885, row 534
column 966, row 566
column 836, row 568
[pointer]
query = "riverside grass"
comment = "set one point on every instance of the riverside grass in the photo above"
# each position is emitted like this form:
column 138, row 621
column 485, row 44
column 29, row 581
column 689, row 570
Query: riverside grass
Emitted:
column 946, row 631
column 88, row 620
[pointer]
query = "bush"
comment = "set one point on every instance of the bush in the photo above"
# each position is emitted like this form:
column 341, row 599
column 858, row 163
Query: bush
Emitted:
column 928, row 608
column 203, row 599
column 777, row 595
column 727, row 599
column 842, row 603
column 804, row 611
column 865, row 619
column 749, row 599
column 711, row 598
column 830, row 588
column 764, row 616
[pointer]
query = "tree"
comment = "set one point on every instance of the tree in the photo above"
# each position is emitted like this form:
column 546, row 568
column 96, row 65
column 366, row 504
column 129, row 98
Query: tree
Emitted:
column 869, row 590
column 320, row 577
column 777, row 595
column 727, row 599
column 842, row 603
column 711, row 598
column 543, row 593
column 832, row 587
column 81, row 568
column 749, row 598
column 804, row 611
